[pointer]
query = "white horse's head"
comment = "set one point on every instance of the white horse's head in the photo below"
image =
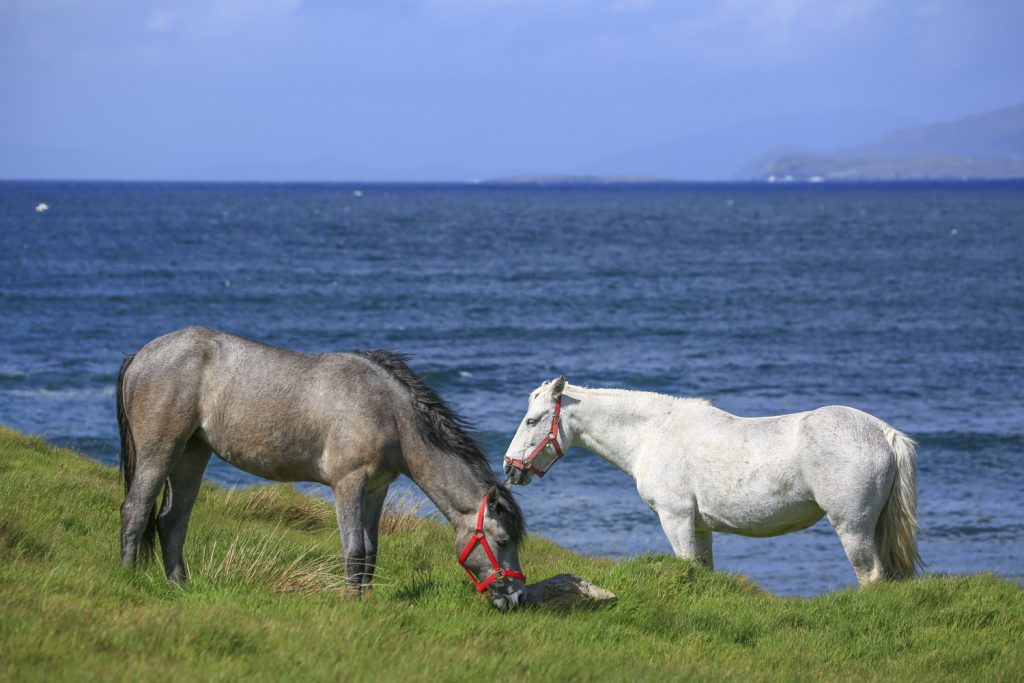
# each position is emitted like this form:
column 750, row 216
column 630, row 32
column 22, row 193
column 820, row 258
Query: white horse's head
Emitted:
column 542, row 436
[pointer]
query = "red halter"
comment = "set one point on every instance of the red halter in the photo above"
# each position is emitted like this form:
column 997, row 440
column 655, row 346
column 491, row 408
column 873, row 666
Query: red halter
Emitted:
column 478, row 537
column 552, row 439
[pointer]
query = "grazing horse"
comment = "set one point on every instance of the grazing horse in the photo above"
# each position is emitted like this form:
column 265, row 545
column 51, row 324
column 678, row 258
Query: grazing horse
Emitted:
column 353, row 421
column 702, row 469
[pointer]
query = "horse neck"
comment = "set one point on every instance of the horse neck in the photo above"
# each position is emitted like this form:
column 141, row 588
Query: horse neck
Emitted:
column 610, row 423
column 455, row 487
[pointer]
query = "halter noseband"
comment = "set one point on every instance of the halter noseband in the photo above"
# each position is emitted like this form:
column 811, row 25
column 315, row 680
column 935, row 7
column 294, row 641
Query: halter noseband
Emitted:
column 478, row 537
column 551, row 439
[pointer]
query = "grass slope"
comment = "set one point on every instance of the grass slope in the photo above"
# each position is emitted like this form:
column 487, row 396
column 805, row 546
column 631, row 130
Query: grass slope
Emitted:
column 263, row 604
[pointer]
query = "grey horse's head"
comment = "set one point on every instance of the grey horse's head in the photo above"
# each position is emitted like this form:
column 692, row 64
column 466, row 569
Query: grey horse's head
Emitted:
column 539, row 441
column 499, row 527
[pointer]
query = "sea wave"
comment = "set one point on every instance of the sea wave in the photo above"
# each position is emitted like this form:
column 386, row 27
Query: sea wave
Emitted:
column 967, row 441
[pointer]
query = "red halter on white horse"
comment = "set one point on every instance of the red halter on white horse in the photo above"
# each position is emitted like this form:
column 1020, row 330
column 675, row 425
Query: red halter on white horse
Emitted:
column 551, row 439
column 478, row 537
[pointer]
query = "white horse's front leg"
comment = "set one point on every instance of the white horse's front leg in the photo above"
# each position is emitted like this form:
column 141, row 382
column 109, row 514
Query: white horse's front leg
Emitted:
column 687, row 542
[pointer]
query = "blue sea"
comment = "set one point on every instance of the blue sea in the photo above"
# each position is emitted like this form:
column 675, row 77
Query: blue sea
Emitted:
column 906, row 301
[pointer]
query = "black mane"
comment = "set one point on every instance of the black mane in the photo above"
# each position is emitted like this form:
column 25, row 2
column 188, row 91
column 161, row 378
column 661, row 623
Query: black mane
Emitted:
column 442, row 427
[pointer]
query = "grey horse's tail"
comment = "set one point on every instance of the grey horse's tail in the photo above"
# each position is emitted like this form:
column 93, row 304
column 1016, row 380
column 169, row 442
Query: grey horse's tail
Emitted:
column 128, row 458
column 896, row 531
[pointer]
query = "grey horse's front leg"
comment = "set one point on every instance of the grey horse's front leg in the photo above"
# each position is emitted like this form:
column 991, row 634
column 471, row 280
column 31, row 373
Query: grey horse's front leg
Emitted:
column 371, row 528
column 349, row 495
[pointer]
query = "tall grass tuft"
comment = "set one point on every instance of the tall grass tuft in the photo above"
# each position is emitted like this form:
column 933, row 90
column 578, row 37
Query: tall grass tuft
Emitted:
column 279, row 503
column 270, row 563
column 402, row 514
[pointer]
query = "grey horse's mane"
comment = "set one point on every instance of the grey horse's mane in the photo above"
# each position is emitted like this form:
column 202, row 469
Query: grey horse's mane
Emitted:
column 443, row 428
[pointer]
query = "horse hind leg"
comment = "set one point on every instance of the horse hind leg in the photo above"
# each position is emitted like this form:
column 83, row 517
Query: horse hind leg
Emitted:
column 861, row 549
column 137, row 512
column 136, row 519
column 183, row 484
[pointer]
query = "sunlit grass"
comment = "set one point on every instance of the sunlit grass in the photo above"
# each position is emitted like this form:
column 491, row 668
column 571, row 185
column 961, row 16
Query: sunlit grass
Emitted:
column 266, row 601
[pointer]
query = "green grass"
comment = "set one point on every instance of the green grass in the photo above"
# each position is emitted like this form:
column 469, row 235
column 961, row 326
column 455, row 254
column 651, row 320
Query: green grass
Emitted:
column 264, row 603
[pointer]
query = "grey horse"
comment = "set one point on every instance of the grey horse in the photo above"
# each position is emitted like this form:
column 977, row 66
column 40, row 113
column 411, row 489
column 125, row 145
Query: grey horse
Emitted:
column 353, row 421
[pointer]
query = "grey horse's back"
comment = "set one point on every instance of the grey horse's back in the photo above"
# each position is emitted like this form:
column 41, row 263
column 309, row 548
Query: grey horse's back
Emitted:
column 270, row 411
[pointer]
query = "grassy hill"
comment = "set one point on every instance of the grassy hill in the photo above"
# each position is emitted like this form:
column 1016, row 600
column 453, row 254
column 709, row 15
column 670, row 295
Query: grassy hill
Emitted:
column 264, row 604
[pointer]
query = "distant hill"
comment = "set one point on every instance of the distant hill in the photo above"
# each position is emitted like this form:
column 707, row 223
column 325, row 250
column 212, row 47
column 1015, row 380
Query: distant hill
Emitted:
column 558, row 179
column 982, row 146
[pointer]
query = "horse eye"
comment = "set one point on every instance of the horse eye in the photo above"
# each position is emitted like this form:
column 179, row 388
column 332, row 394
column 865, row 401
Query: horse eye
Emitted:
column 532, row 421
column 502, row 544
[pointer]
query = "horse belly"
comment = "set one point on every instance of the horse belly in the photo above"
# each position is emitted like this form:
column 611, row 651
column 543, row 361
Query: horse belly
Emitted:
column 761, row 503
column 761, row 519
column 266, row 454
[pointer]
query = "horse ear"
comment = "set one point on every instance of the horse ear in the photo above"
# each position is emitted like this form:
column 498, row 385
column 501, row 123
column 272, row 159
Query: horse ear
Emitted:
column 492, row 498
column 558, row 386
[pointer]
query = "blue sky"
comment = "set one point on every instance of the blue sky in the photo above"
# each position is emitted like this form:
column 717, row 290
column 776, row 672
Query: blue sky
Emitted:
column 463, row 89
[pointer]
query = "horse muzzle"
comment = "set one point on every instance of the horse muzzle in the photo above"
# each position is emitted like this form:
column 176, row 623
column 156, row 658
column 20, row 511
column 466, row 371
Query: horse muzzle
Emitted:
column 517, row 476
column 511, row 600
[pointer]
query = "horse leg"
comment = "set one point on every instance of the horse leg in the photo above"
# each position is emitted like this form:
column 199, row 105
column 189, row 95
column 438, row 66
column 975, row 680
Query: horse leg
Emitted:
column 853, row 505
column 372, row 509
column 151, row 469
column 686, row 542
column 349, row 503
column 172, row 522
column 859, row 543
column 704, row 553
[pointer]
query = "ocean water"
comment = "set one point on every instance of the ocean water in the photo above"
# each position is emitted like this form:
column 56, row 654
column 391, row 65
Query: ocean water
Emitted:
column 904, row 301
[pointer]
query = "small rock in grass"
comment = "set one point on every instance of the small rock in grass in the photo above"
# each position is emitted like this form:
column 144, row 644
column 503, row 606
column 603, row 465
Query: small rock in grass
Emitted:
column 568, row 590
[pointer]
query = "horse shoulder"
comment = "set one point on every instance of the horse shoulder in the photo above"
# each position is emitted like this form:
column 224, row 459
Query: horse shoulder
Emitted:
column 663, row 472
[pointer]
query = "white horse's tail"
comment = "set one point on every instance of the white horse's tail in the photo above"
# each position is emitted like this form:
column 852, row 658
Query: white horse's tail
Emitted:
column 896, row 531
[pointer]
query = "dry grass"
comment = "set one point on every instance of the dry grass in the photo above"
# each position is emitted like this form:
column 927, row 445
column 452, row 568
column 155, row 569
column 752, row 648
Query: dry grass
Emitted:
column 401, row 514
column 280, row 502
column 269, row 562
column 266, row 563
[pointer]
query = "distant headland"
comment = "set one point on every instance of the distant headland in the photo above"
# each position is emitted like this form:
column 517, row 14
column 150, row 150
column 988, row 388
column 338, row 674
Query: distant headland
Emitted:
column 987, row 146
column 561, row 179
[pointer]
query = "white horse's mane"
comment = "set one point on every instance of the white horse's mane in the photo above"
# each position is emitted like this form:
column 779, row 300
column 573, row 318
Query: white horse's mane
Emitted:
column 647, row 394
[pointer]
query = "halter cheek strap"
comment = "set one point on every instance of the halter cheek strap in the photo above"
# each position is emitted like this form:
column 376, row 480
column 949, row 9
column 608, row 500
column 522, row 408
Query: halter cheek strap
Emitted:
column 551, row 439
column 498, row 571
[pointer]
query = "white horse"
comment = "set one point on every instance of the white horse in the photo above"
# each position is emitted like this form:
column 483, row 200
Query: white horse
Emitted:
column 702, row 469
